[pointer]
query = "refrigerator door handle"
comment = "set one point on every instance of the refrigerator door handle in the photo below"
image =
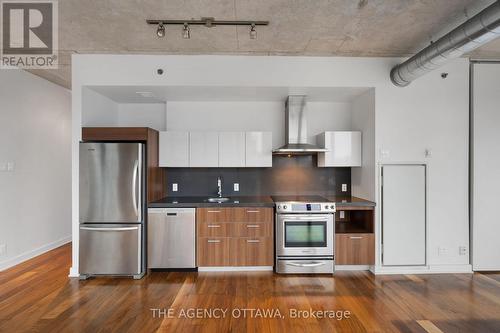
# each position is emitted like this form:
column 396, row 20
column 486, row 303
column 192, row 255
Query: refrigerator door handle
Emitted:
column 140, row 178
column 134, row 189
column 109, row 229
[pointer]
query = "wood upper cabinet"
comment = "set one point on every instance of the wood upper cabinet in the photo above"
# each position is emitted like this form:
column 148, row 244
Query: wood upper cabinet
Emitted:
column 241, row 236
column 203, row 149
column 232, row 149
column 344, row 149
column 156, row 176
column 174, row 149
column 258, row 149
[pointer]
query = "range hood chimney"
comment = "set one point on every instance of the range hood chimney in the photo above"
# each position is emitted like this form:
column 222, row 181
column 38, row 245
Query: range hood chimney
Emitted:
column 296, row 128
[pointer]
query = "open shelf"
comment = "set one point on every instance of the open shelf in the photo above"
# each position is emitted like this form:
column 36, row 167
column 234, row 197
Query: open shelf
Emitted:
column 354, row 221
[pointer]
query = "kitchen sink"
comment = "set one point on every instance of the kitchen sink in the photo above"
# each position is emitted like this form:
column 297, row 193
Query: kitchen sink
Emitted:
column 218, row 200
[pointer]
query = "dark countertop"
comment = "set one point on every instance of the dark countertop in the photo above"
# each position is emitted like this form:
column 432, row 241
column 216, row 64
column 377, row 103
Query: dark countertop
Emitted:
column 246, row 201
column 346, row 201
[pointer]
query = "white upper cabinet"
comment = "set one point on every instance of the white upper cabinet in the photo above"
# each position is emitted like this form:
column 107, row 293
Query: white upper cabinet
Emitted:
column 174, row 149
column 203, row 149
column 216, row 149
column 232, row 149
column 259, row 149
column 344, row 149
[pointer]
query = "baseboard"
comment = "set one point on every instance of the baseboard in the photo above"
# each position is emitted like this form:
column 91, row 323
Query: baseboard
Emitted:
column 430, row 269
column 33, row 253
column 352, row 267
column 236, row 269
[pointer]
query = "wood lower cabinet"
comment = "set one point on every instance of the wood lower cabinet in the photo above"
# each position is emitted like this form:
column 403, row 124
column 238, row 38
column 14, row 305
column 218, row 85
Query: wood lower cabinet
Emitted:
column 213, row 251
column 253, row 251
column 354, row 249
column 241, row 236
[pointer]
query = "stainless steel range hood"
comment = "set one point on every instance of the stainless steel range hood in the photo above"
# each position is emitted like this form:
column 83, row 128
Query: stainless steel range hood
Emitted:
column 296, row 128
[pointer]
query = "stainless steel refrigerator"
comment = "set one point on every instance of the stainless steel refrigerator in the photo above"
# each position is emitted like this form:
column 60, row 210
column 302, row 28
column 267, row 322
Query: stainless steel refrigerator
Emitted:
column 112, row 197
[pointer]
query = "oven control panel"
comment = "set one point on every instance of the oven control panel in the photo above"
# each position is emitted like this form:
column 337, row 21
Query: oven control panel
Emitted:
column 305, row 207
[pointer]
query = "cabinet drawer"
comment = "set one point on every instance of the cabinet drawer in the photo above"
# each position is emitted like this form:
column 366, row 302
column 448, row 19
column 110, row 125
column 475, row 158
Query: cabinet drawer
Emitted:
column 256, row 251
column 253, row 214
column 250, row 229
column 212, row 229
column 354, row 249
column 210, row 215
column 213, row 251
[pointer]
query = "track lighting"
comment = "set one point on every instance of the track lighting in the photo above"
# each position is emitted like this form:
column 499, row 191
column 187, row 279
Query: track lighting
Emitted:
column 160, row 32
column 208, row 22
column 186, row 32
column 253, row 32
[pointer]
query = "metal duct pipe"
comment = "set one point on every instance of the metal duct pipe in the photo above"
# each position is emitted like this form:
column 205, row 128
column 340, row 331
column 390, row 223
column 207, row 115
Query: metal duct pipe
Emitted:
column 477, row 31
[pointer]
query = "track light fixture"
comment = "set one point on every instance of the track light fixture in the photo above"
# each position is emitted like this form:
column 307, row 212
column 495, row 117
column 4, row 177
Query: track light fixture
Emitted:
column 253, row 32
column 208, row 22
column 186, row 32
column 160, row 31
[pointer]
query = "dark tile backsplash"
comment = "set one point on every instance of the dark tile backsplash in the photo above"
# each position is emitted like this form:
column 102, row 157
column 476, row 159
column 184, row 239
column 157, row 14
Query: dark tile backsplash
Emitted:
column 297, row 175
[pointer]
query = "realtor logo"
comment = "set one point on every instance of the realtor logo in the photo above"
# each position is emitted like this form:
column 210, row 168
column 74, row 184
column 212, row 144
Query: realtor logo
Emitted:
column 29, row 34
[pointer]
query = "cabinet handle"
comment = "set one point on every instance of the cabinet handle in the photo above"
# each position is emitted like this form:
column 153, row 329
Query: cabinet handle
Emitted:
column 213, row 211
column 253, row 226
column 253, row 241
column 213, row 241
column 253, row 211
column 356, row 237
column 213, row 226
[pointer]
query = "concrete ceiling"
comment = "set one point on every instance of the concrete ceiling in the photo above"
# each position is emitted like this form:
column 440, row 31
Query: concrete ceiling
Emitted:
column 375, row 28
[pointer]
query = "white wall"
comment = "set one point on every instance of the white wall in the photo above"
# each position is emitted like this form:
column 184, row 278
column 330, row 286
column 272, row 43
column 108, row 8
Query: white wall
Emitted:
column 99, row 110
column 255, row 116
column 363, row 179
column 142, row 115
column 431, row 113
column 35, row 134
column 486, row 167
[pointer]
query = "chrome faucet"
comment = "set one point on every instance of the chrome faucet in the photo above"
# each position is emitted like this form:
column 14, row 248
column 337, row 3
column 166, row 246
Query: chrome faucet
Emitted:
column 219, row 187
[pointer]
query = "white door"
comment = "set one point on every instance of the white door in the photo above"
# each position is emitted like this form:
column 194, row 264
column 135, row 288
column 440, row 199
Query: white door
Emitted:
column 174, row 149
column 259, row 149
column 232, row 149
column 403, row 215
column 203, row 149
column 486, row 168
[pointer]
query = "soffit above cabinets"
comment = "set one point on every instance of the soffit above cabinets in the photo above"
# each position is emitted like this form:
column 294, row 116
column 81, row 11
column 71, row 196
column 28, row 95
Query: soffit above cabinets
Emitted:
column 161, row 94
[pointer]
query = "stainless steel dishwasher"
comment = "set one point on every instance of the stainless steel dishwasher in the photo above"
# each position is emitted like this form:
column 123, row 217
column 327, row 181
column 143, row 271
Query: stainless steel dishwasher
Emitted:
column 171, row 238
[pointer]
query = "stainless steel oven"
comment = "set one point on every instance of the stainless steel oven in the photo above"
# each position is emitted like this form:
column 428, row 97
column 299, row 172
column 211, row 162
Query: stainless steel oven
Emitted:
column 305, row 236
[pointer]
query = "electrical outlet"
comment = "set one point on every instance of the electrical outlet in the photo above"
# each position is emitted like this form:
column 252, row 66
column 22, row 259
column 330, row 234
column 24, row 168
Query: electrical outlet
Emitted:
column 344, row 187
column 10, row 166
column 342, row 214
column 3, row 249
column 442, row 251
column 175, row 187
column 462, row 250
column 236, row 187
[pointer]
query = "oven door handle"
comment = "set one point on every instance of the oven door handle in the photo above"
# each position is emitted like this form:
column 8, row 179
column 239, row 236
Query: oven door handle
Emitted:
column 311, row 264
column 317, row 217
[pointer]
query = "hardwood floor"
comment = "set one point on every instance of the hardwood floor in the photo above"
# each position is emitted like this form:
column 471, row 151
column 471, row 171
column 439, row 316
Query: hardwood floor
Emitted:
column 37, row 296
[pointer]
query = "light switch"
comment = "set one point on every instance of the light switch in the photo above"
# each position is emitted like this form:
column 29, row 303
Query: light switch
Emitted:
column 344, row 187
column 236, row 187
column 175, row 187
column 10, row 166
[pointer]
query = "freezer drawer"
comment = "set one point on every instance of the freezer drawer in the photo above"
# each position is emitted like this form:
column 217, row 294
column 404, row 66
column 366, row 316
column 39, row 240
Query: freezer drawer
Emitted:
column 112, row 249
column 171, row 238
